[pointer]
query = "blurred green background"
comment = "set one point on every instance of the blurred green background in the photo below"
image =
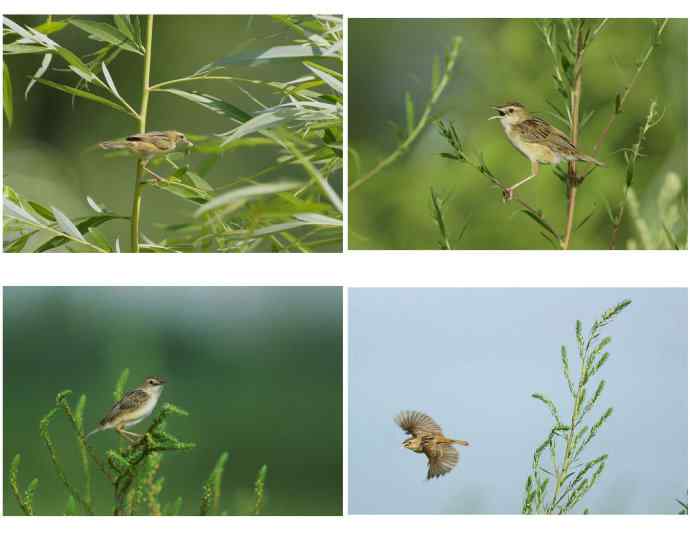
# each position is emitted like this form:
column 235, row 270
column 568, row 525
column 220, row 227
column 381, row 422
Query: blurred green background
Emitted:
column 49, row 152
column 505, row 60
column 258, row 369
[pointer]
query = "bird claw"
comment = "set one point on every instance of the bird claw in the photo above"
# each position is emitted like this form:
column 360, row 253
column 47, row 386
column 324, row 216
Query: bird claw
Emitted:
column 507, row 194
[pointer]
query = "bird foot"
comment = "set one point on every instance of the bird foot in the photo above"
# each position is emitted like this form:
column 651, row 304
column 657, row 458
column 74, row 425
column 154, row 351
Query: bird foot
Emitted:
column 507, row 194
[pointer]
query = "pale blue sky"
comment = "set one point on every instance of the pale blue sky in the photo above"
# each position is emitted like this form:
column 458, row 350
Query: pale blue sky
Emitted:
column 472, row 357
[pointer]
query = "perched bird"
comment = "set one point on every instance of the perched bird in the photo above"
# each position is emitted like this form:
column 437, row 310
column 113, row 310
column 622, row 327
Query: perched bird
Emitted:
column 537, row 140
column 149, row 145
column 427, row 437
column 134, row 406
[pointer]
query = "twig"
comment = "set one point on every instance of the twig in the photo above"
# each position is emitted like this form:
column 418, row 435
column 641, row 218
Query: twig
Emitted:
column 423, row 120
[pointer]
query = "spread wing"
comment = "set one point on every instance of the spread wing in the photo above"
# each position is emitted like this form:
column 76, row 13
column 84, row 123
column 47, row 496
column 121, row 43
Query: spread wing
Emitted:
column 130, row 401
column 414, row 422
column 442, row 459
column 160, row 140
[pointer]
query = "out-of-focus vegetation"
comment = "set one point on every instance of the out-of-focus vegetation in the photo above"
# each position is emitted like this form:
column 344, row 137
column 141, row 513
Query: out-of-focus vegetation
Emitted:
column 259, row 371
column 392, row 73
column 260, row 97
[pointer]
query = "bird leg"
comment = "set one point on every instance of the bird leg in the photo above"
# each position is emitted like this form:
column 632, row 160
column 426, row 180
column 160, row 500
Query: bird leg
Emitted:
column 129, row 436
column 508, row 191
column 156, row 177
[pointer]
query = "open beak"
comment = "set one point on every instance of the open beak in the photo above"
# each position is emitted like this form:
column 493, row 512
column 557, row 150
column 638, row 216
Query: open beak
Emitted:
column 500, row 113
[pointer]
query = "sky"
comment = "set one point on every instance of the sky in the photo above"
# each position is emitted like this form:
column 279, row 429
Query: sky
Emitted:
column 471, row 358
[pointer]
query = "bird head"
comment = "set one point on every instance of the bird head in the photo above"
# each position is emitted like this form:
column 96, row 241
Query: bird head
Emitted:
column 511, row 113
column 179, row 138
column 412, row 443
column 154, row 383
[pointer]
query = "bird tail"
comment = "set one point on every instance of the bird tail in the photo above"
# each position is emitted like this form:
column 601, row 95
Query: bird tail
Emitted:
column 113, row 145
column 590, row 159
column 97, row 429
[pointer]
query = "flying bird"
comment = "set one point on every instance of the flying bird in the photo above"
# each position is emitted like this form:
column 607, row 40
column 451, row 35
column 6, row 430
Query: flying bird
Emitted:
column 427, row 437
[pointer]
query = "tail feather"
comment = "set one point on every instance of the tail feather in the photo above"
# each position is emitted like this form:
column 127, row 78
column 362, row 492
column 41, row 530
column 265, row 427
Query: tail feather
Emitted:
column 590, row 159
column 98, row 429
column 113, row 145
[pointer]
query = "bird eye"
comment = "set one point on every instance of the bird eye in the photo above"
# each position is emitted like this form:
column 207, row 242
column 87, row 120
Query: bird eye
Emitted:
column 510, row 110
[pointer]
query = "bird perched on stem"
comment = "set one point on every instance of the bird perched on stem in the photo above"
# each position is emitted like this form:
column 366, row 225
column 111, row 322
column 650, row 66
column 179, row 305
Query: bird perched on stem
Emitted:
column 134, row 406
column 537, row 140
column 427, row 437
column 149, row 145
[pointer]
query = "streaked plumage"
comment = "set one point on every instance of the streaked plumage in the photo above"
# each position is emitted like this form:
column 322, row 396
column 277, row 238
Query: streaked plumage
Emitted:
column 134, row 406
column 537, row 140
column 426, row 437
column 149, row 145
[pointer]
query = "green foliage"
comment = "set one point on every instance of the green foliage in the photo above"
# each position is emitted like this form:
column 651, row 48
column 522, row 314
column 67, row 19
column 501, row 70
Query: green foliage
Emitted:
column 438, row 209
column 259, row 486
column 133, row 471
column 568, row 473
column 303, row 127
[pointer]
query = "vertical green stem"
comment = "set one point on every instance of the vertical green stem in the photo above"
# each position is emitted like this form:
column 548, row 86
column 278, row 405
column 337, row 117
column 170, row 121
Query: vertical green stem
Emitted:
column 145, row 91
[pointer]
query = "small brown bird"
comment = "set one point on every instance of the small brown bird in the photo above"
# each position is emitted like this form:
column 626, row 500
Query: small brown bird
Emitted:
column 537, row 140
column 134, row 406
column 427, row 437
column 149, row 145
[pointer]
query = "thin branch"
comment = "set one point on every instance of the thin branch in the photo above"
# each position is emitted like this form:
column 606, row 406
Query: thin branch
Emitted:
column 423, row 120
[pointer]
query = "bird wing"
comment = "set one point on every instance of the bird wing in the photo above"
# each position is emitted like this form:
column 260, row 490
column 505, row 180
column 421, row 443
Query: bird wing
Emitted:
column 414, row 422
column 159, row 140
column 536, row 130
column 442, row 459
column 130, row 401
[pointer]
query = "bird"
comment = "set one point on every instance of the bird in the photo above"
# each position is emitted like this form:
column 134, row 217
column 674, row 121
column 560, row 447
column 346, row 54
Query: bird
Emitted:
column 537, row 140
column 149, row 145
column 427, row 437
column 133, row 407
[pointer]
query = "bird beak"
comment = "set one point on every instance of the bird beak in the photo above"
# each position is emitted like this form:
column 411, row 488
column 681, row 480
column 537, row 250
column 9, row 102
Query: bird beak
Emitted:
column 497, row 116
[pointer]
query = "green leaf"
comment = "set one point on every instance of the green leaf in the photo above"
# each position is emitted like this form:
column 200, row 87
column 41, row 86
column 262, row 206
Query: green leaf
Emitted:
column 540, row 223
column 212, row 103
column 7, row 93
column 42, row 210
column 18, row 244
column 123, row 23
column 83, row 227
column 243, row 194
column 277, row 53
column 65, row 224
column 16, row 211
column 326, row 75
column 265, row 120
column 47, row 58
column 83, row 94
column 104, row 32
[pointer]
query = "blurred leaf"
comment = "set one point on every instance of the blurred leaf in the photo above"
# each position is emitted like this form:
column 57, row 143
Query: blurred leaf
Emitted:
column 65, row 224
column 540, row 223
column 327, row 75
column 182, row 190
column 268, row 119
column 51, row 27
column 277, row 53
column 17, row 211
column 245, row 193
column 83, row 94
column 104, row 32
column 409, row 112
column 317, row 218
column 47, row 58
column 212, row 103
column 98, row 238
column 7, row 93
column 18, row 244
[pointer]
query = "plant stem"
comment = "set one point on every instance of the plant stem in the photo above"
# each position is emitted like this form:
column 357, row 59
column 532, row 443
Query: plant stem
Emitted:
column 575, row 96
column 423, row 120
column 145, row 92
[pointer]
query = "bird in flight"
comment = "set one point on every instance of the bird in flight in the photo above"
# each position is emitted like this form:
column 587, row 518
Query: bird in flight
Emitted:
column 427, row 437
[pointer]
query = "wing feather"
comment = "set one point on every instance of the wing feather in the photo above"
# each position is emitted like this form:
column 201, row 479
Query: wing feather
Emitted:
column 442, row 459
column 413, row 422
column 130, row 401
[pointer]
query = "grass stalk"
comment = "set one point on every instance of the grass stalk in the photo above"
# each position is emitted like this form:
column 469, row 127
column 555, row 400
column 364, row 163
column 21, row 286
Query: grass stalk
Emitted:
column 575, row 97
column 423, row 120
column 145, row 92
